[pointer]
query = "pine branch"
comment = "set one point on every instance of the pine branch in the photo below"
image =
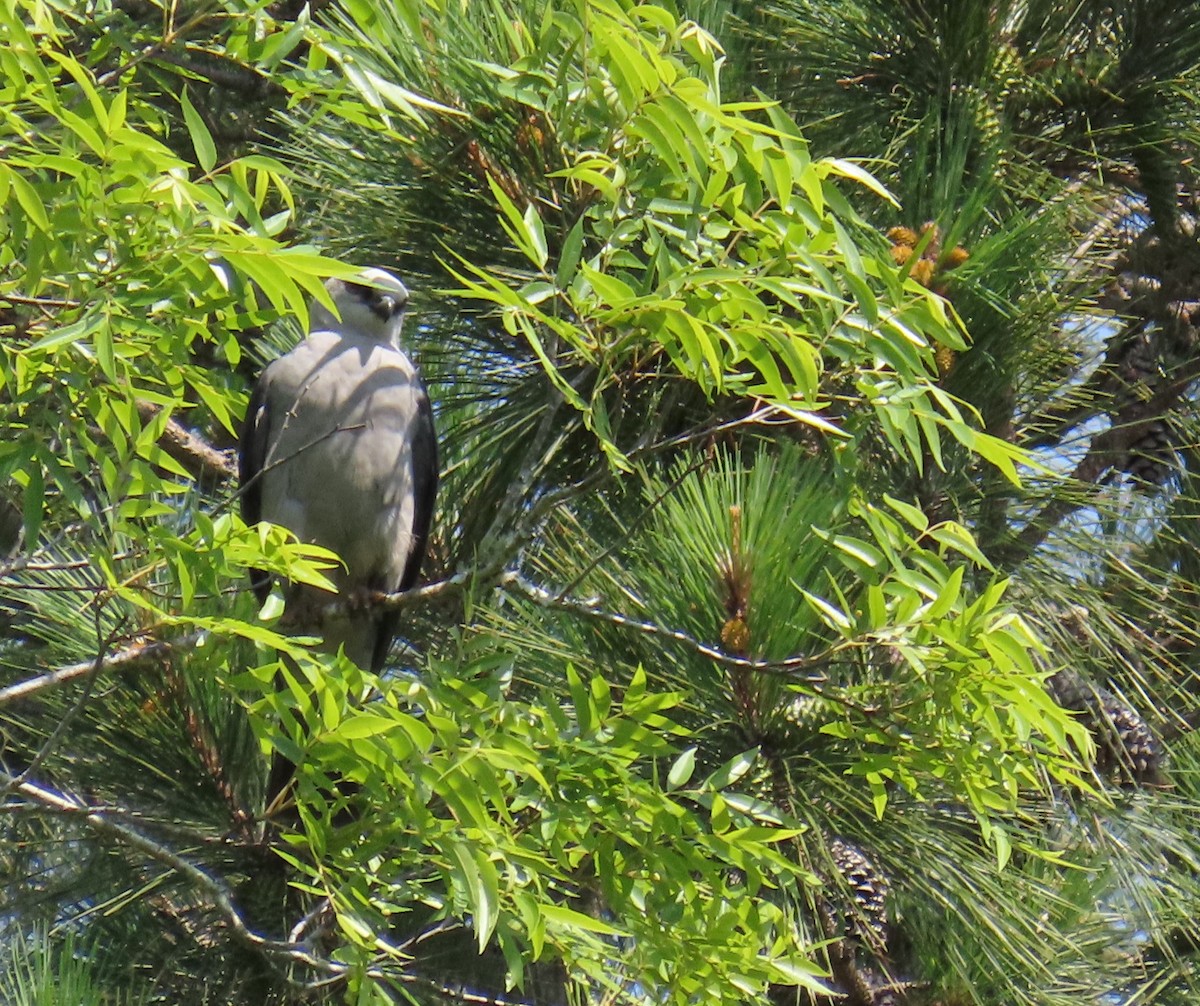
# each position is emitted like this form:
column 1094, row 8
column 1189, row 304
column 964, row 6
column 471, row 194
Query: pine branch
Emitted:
column 1106, row 449
column 517, row 584
column 201, row 739
column 145, row 652
column 282, row 955
column 77, row 707
column 158, row 652
column 102, row 823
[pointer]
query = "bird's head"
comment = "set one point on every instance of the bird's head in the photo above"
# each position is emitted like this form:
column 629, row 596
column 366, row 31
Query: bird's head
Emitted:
column 370, row 305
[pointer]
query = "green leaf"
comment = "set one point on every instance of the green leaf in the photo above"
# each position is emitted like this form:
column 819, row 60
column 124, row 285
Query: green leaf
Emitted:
column 76, row 331
column 861, row 551
column 948, row 595
column 481, row 882
column 1002, row 846
column 733, row 770
column 536, row 235
column 568, row 259
column 363, row 725
column 568, row 918
column 27, row 198
column 34, row 503
column 802, row 974
column 681, row 771
column 914, row 515
column 202, row 141
column 760, row 810
column 831, row 614
column 848, row 169
column 272, row 607
column 582, row 700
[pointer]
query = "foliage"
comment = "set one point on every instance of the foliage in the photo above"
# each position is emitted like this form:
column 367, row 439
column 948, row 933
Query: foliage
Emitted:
column 37, row 973
column 746, row 554
column 137, row 267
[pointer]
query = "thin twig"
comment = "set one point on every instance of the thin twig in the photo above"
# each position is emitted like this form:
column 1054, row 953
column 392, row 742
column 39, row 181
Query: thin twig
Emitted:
column 29, row 565
column 43, row 302
column 517, row 584
column 765, row 415
column 641, row 518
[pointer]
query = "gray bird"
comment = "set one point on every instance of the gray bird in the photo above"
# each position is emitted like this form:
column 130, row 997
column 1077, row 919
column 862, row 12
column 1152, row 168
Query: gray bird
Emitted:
column 338, row 446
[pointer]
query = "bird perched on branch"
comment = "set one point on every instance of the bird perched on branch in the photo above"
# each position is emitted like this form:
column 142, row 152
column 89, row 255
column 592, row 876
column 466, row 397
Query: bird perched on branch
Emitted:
column 338, row 446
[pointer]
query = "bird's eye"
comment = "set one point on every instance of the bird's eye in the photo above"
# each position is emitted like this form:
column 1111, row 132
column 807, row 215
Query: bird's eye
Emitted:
column 387, row 305
column 384, row 304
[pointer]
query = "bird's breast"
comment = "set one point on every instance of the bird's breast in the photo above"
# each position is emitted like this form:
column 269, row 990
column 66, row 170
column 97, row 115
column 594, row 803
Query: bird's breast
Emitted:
column 338, row 471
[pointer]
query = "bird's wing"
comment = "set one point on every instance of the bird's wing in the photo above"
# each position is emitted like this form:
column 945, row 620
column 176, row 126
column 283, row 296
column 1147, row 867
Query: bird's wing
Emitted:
column 424, row 461
column 424, row 483
column 252, row 454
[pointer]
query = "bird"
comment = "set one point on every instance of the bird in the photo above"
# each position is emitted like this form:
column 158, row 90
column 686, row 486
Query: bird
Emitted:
column 338, row 446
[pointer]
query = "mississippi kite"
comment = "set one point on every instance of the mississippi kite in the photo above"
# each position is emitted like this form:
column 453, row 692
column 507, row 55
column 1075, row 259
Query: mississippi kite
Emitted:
column 338, row 446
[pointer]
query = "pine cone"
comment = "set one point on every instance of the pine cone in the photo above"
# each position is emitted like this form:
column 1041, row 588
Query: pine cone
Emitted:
column 806, row 712
column 1152, row 456
column 1139, row 361
column 1125, row 744
column 1068, row 689
column 867, row 920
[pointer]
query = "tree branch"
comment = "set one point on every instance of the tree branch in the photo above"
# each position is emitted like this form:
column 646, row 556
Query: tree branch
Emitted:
column 192, row 451
column 145, row 652
column 517, row 584
column 42, row 302
column 76, row 708
column 280, row 953
column 1106, row 449
column 283, row 954
column 100, row 822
